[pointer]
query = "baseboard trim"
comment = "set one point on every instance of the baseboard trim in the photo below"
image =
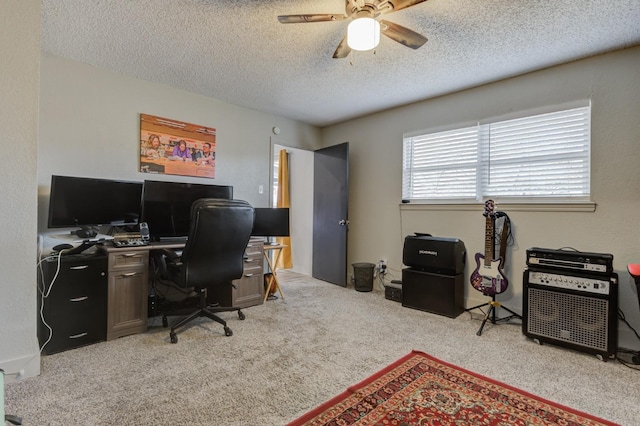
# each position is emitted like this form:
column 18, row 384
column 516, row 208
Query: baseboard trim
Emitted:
column 21, row 368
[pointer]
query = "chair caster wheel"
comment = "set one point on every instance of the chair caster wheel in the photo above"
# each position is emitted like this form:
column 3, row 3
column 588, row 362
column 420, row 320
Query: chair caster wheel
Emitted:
column 241, row 315
column 165, row 321
column 173, row 337
column 228, row 332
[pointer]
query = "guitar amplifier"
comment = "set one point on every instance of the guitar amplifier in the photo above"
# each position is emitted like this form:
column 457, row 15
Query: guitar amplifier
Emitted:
column 438, row 255
column 570, row 309
column 431, row 292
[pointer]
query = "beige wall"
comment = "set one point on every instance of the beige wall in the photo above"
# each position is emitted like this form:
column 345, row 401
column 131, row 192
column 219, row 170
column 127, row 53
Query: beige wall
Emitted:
column 379, row 224
column 19, row 68
column 89, row 126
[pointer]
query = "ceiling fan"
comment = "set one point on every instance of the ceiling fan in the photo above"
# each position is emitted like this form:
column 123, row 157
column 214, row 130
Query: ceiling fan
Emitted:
column 367, row 9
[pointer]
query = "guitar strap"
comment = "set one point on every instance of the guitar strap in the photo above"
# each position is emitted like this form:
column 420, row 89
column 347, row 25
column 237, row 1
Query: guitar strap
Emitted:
column 506, row 230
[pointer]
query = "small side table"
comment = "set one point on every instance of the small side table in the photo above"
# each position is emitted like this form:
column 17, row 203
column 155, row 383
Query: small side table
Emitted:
column 273, row 279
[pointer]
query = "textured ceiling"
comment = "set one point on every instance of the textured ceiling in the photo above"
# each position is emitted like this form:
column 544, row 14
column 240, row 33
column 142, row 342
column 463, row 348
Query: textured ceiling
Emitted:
column 238, row 52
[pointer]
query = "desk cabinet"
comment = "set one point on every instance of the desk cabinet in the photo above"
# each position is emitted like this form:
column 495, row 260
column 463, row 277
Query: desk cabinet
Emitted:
column 249, row 289
column 127, row 291
column 76, row 306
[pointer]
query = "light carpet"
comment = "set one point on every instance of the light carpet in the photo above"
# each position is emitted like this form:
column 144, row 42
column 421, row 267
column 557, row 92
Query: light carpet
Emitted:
column 292, row 355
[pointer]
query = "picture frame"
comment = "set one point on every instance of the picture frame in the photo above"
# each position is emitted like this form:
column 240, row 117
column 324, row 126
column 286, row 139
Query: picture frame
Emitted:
column 175, row 147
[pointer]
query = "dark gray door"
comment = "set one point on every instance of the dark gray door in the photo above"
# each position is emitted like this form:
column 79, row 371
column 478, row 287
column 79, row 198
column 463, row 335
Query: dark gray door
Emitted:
column 330, row 213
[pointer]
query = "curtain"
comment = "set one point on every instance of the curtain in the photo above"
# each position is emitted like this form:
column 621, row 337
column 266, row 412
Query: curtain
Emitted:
column 284, row 262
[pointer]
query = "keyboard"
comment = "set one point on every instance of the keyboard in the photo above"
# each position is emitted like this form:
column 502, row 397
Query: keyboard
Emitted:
column 130, row 242
column 129, row 239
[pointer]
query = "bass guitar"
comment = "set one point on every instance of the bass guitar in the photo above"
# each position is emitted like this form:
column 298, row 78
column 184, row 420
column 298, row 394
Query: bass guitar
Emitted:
column 488, row 277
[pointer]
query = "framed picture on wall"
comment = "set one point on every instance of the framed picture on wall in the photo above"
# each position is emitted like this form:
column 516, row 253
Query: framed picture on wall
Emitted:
column 174, row 147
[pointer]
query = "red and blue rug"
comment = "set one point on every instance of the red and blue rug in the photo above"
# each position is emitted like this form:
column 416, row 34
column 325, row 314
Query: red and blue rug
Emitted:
column 419, row 389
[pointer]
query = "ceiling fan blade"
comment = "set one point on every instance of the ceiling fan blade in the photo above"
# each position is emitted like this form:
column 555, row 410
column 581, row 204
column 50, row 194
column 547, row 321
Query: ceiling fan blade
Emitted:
column 402, row 34
column 343, row 49
column 298, row 19
column 403, row 4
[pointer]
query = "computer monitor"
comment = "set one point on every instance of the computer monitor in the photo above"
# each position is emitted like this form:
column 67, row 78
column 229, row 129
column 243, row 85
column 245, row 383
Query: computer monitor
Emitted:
column 166, row 206
column 80, row 201
column 271, row 222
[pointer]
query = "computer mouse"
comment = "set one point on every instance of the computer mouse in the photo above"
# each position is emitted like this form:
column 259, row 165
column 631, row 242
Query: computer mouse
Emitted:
column 63, row 246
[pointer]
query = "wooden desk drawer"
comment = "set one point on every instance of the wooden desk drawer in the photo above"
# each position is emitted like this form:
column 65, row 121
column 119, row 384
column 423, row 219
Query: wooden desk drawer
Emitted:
column 129, row 260
column 251, row 270
column 81, row 308
column 74, row 334
column 253, row 261
column 254, row 249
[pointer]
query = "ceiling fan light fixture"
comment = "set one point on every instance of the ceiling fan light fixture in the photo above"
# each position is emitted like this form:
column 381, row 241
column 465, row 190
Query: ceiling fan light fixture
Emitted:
column 363, row 34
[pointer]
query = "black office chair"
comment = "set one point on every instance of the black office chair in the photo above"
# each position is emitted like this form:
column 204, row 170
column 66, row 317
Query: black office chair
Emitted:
column 212, row 257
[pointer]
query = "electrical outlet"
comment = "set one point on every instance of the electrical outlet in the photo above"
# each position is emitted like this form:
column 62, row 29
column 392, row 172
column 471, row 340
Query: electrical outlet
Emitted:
column 382, row 266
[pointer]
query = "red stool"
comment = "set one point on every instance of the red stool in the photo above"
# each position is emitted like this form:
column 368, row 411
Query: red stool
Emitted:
column 634, row 271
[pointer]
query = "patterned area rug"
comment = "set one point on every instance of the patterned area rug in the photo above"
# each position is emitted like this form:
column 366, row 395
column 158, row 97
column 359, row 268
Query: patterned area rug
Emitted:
column 419, row 389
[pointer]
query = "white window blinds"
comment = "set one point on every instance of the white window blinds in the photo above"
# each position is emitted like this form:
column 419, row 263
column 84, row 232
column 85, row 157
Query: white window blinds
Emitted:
column 545, row 155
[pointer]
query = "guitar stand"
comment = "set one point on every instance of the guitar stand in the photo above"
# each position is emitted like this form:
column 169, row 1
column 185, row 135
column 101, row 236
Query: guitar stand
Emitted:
column 491, row 313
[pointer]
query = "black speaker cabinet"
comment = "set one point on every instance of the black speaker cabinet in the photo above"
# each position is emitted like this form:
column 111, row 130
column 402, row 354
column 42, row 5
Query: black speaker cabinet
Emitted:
column 435, row 293
column 434, row 254
column 574, row 310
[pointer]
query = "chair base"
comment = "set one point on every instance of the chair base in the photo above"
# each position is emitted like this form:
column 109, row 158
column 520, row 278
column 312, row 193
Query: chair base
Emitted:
column 203, row 311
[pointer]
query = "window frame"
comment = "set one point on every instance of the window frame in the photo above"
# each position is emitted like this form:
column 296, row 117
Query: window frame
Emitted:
column 582, row 203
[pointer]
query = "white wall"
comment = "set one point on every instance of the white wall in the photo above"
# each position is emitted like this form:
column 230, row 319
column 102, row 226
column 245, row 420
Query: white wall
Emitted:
column 19, row 68
column 301, row 209
column 379, row 223
column 89, row 126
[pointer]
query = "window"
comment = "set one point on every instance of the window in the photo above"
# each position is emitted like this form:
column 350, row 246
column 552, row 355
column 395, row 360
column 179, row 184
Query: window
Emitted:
column 540, row 156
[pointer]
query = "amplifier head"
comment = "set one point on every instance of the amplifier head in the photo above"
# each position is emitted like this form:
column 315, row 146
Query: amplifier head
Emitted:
column 434, row 254
column 570, row 260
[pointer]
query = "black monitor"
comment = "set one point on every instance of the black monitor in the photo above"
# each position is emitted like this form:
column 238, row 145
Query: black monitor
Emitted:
column 166, row 206
column 79, row 201
column 271, row 222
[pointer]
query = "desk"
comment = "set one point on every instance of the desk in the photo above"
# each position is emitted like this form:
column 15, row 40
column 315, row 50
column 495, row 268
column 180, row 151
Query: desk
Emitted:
column 103, row 296
column 273, row 280
column 128, row 287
